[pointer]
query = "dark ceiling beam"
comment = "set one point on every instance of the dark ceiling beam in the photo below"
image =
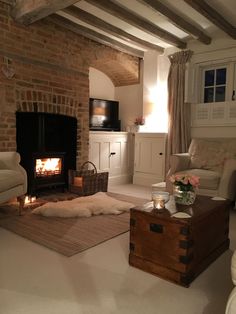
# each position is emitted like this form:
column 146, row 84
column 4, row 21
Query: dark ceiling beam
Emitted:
column 212, row 15
column 29, row 11
column 177, row 20
column 138, row 22
column 110, row 29
column 95, row 36
column 9, row 2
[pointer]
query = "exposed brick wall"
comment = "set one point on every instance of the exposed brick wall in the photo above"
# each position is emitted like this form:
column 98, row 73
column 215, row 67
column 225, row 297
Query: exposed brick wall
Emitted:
column 51, row 67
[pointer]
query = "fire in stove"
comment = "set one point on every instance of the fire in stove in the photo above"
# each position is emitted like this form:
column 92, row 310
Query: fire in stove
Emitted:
column 48, row 167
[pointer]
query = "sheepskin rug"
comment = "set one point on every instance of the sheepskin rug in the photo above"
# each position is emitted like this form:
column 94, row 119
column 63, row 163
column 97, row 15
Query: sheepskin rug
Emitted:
column 97, row 204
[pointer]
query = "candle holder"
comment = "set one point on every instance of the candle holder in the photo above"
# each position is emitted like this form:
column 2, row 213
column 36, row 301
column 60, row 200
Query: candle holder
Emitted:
column 160, row 198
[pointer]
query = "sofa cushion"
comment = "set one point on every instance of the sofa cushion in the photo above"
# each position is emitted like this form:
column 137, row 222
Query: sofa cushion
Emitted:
column 208, row 179
column 10, row 179
column 210, row 154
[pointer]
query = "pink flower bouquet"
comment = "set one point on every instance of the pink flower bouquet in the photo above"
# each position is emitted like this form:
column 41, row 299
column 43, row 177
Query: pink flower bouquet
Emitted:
column 185, row 182
column 139, row 121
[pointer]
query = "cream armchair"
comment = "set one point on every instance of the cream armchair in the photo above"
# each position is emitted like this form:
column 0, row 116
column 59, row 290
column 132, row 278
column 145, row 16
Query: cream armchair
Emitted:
column 231, row 303
column 13, row 178
column 214, row 161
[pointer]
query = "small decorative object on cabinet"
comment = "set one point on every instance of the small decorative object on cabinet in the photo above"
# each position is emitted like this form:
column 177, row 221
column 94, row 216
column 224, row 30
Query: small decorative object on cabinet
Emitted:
column 138, row 122
column 184, row 188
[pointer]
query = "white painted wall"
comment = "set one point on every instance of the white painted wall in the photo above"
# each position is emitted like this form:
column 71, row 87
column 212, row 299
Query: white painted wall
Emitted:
column 149, row 98
column 155, row 74
column 222, row 48
column 100, row 85
column 131, row 104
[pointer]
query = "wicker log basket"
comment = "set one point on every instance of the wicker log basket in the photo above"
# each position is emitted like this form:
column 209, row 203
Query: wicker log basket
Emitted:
column 87, row 181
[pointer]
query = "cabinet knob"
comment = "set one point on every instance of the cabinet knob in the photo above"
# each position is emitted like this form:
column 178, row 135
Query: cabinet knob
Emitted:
column 160, row 153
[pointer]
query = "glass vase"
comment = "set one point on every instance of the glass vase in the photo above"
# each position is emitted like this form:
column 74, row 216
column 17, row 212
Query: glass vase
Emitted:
column 137, row 127
column 184, row 197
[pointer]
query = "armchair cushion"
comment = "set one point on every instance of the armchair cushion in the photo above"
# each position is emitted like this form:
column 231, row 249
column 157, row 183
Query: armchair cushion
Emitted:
column 209, row 179
column 211, row 154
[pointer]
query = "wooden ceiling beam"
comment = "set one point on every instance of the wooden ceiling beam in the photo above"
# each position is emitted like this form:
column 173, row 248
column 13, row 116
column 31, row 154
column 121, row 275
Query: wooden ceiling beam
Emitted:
column 29, row 11
column 177, row 20
column 95, row 36
column 110, row 29
column 9, row 2
column 212, row 15
column 138, row 22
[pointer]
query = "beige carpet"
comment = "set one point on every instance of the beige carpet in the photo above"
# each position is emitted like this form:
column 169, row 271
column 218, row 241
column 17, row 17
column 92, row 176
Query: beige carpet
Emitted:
column 67, row 236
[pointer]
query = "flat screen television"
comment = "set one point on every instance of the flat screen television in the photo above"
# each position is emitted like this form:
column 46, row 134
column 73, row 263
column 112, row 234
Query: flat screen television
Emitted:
column 103, row 115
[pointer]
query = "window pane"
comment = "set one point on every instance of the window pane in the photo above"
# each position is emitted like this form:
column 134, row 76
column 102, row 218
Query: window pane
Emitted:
column 220, row 76
column 220, row 93
column 209, row 77
column 208, row 94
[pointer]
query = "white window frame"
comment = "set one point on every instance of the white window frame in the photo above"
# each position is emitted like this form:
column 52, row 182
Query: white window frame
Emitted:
column 228, row 88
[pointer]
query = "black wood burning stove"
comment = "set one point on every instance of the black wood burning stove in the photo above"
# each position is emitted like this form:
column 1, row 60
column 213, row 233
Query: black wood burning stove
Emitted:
column 48, row 170
column 47, row 145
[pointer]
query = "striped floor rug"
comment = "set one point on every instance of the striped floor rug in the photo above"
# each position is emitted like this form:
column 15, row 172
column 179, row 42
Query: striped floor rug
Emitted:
column 67, row 236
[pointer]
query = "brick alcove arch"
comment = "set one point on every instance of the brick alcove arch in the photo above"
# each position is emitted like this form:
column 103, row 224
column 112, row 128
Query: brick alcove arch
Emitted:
column 121, row 68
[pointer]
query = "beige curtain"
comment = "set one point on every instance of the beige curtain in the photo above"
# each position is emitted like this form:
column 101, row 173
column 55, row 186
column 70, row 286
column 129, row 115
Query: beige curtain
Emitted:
column 178, row 138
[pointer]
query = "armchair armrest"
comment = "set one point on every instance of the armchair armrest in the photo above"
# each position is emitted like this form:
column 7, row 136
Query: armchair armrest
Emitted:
column 179, row 162
column 227, row 186
column 11, row 161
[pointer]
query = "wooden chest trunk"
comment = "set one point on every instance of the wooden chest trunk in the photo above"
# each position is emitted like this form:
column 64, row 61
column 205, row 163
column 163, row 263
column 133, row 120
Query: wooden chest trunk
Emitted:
column 178, row 249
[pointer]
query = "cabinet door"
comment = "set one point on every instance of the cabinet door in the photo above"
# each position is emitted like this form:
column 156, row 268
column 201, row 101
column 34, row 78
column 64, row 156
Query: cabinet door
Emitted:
column 115, row 157
column 119, row 157
column 99, row 153
column 149, row 154
column 158, row 156
column 110, row 153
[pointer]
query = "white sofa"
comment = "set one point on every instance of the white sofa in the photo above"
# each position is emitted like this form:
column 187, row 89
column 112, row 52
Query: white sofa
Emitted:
column 214, row 161
column 13, row 178
column 231, row 304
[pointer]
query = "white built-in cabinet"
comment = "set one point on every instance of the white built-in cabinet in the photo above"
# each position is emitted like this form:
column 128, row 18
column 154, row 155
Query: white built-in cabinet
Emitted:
column 149, row 158
column 112, row 152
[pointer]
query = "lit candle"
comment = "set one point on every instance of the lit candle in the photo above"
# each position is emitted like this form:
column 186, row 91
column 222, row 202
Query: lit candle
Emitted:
column 158, row 202
column 27, row 199
column 33, row 199
column 159, row 199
